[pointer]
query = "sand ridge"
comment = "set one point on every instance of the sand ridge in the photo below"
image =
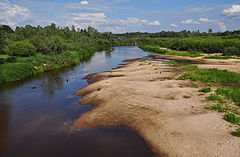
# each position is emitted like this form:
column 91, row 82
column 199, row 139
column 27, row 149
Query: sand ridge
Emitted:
column 169, row 114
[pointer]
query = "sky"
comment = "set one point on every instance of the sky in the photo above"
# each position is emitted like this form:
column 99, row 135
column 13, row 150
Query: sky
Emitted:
column 120, row 16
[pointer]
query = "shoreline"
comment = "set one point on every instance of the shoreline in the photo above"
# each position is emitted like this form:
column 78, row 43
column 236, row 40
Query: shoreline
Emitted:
column 169, row 114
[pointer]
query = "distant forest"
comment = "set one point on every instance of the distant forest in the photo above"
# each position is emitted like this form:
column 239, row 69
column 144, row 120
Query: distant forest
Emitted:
column 29, row 50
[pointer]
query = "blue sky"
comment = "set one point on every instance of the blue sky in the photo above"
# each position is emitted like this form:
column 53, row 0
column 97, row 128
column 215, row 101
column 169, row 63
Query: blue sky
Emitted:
column 119, row 16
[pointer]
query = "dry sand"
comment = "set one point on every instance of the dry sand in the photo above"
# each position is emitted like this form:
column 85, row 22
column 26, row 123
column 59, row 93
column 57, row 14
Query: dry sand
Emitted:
column 169, row 114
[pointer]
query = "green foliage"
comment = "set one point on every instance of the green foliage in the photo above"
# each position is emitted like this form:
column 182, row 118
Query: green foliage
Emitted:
column 231, row 117
column 233, row 50
column 189, row 54
column 15, row 71
column 211, row 75
column 155, row 49
column 214, row 97
column 217, row 107
column 205, row 90
column 232, row 93
column 20, row 48
column 141, row 60
column 141, row 64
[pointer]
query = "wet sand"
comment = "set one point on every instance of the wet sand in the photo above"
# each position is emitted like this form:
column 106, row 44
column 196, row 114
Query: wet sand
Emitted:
column 169, row 114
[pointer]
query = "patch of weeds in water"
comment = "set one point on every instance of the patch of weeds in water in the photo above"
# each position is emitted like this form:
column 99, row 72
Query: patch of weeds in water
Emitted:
column 231, row 93
column 217, row 107
column 214, row 97
column 231, row 117
column 205, row 90
column 141, row 64
column 211, row 75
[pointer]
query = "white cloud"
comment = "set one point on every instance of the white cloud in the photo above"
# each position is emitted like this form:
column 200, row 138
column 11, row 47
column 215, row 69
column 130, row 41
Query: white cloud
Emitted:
column 220, row 24
column 233, row 11
column 154, row 23
column 84, row 2
column 190, row 21
column 173, row 25
column 11, row 14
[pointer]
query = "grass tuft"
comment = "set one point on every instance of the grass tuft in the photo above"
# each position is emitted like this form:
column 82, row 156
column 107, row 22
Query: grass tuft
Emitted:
column 205, row 90
column 231, row 117
column 214, row 97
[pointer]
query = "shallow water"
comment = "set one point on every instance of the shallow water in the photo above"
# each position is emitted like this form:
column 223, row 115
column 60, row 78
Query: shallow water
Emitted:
column 36, row 115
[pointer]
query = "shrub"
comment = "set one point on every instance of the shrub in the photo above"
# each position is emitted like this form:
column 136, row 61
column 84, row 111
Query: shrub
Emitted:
column 21, row 48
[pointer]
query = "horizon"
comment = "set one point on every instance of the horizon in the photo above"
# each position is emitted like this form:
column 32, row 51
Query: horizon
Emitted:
column 122, row 16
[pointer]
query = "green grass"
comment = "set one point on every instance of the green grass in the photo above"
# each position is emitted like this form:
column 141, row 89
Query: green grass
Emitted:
column 189, row 67
column 220, row 57
column 212, row 75
column 237, row 132
column 186, row 54
column 141, row 60
column 15, row 71
column 141, row 64
column 205, row 90
column 217, row 107
column 4, row 56
column 231, row 117
column 232, row 93
column 171, row 62
column 214, row 97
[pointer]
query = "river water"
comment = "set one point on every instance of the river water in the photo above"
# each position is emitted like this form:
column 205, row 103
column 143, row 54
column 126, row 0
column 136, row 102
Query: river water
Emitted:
column 36, row 115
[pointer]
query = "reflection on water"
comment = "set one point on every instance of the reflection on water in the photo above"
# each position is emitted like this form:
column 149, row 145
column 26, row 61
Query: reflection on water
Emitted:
column 3, row 126
column 36, row 114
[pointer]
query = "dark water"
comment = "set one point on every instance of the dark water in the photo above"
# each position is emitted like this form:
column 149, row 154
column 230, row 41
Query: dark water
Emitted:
column 38, row 122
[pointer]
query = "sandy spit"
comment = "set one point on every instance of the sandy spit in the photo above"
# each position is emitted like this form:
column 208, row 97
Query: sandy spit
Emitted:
column 169, row 114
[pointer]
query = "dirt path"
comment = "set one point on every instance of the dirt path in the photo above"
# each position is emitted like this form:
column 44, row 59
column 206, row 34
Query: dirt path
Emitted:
column 169, row 114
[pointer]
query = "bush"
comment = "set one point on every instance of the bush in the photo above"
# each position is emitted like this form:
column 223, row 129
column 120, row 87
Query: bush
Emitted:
column 21, row 48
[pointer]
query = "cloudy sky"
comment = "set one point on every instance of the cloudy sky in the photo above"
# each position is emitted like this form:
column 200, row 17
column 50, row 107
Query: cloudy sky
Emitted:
column 120, row 16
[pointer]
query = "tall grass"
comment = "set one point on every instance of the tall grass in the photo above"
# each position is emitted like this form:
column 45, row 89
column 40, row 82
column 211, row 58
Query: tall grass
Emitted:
column 212, row 75
column 15, row 71
column 232, row 93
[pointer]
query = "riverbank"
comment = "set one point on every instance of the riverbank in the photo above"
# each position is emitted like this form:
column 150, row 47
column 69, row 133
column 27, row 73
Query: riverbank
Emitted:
column 169, row 114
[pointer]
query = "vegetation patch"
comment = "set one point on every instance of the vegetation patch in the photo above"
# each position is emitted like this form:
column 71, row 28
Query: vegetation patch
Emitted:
column 220, row 57
column 205, row 90
column 237, row 132
column 211, row 75
column 214, row 97
column 171, row 62
column 15, row 71
column 189, row 67
column 232, row 93
column 217, row 107
column 231, row 117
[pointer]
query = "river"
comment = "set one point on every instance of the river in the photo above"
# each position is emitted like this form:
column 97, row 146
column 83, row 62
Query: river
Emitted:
column 36, row 115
